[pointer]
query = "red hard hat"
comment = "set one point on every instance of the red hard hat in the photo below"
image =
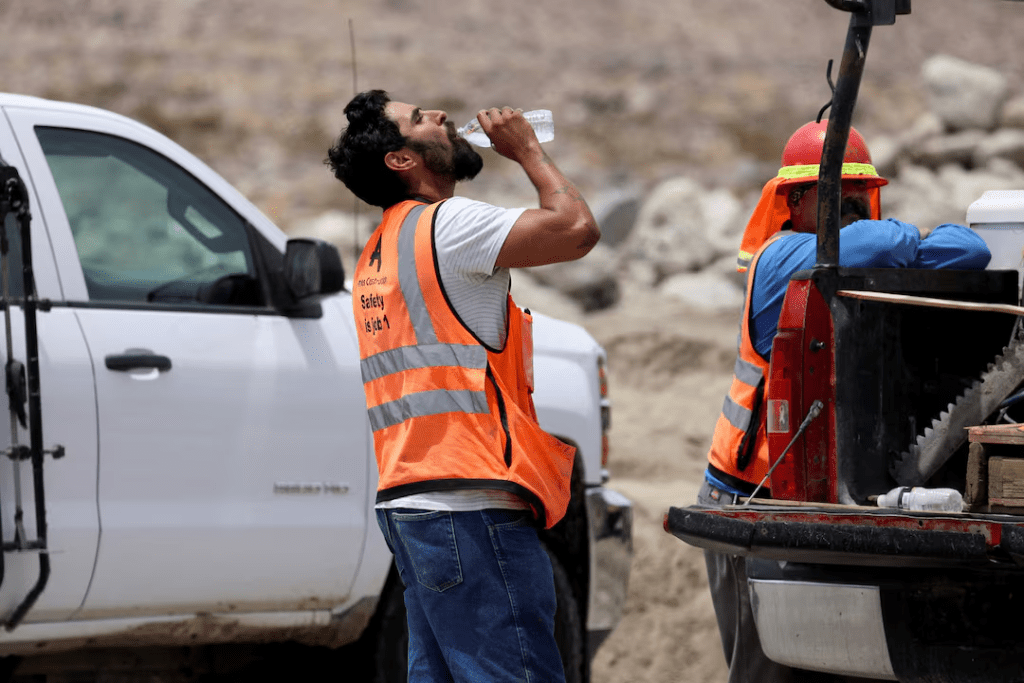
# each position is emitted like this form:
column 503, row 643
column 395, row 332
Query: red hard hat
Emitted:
column 802, row 155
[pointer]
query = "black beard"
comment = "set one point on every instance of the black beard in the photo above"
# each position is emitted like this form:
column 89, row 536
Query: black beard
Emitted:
column 851, row 210
column 466, row 160
column 461, row 162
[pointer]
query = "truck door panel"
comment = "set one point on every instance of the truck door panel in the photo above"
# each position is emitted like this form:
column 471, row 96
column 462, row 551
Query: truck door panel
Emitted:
column 227, row 480
column 68, row 419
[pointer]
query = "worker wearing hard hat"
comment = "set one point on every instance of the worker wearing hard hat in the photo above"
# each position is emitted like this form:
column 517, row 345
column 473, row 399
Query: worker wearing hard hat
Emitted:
column 779, row 241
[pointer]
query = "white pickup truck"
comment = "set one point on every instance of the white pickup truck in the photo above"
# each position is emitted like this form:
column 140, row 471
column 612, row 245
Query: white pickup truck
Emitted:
column 211, row 505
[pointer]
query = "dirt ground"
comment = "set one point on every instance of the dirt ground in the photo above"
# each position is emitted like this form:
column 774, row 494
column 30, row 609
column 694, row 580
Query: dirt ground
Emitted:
column 670, row 368
column 641, row 90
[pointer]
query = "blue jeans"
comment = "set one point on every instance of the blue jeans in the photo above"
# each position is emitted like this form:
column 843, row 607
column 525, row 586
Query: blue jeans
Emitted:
column 479, row 594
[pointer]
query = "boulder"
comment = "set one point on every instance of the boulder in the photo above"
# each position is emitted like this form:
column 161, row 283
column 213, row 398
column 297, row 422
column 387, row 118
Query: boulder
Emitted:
column 706, row 290
column 1005, row 143
column 955, row 148
column 724, row 219
column 885, row 151
column 592, row 281
column 640, row 272
column 927, row 199
column 529, row 293
column 962, row 94
column 961, row 187
column 725, row 267
column 1013, row 113
column 925, row 126
column 616, row 214
column 916, row 197
column 749, row 175
column 682, row 227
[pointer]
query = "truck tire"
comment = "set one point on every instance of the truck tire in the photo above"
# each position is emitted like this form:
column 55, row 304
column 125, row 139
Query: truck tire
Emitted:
column 391, row 650
column 391, row 661
column 568, row 625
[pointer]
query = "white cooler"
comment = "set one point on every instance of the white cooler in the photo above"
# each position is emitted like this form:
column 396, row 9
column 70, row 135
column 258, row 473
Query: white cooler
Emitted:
column 999, row 218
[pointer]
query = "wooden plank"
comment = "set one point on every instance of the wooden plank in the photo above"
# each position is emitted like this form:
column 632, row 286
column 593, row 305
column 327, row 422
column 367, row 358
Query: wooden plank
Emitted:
column 1005, row 480
column 912, row 300
column 776, row 502
column 1012, row 434
column 1006, row 503
column 976, row 489
column 995, row 478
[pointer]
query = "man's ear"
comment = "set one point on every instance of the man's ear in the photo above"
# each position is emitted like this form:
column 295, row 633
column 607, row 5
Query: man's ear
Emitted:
column 400, row 160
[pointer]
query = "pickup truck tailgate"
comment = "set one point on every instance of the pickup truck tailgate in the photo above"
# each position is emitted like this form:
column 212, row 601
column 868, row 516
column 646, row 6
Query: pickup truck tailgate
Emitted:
column 839, row 534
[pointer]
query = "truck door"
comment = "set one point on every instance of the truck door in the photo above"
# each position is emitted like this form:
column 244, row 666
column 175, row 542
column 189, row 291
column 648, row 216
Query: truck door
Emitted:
column 233, row 456
column 68, row 418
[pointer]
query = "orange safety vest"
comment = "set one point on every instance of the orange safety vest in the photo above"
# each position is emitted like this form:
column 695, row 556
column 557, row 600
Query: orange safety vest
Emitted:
column 739, row 446
column 447, row 412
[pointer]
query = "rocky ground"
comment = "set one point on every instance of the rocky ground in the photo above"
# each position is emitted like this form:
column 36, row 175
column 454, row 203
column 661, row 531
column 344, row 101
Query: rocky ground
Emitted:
column 688, row 102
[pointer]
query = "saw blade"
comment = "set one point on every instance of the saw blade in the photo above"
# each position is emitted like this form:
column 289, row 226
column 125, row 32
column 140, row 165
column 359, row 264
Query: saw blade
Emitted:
column 948, row 432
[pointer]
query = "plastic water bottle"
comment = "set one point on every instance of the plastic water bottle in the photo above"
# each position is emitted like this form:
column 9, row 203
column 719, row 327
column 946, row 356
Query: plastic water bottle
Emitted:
column 540, row 120
column 922, row 499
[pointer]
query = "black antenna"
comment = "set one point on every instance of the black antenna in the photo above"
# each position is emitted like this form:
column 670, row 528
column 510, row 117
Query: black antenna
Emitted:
column 355, row 200
column 832, row 87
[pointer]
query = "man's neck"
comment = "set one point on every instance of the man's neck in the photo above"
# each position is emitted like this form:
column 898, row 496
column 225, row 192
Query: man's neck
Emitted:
column 432, row 189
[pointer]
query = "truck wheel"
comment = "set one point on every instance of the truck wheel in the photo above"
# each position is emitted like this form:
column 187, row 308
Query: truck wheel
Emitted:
column 391, row 651
column 568, row 625
column 391, row 662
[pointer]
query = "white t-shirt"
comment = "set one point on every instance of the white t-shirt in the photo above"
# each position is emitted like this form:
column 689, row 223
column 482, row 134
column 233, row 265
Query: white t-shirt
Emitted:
column 468, row 235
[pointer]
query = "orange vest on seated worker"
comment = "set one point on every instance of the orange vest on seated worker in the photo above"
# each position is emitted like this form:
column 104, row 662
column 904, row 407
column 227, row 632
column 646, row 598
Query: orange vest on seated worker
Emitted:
column 447, row 412
column 739, row 446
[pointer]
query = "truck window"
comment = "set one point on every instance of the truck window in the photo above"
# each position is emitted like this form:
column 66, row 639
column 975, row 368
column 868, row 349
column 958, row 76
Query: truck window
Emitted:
column 146, row 230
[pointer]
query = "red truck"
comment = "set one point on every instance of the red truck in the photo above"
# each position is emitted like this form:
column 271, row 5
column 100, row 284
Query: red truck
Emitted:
column 879, row 379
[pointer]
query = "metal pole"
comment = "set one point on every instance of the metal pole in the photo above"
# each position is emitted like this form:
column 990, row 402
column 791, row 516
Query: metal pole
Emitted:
column 19, row 203
column 844, row 101
column 20, row 538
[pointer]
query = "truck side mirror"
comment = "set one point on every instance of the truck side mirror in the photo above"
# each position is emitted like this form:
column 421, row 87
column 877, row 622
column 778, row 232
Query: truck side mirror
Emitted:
column 312, row 269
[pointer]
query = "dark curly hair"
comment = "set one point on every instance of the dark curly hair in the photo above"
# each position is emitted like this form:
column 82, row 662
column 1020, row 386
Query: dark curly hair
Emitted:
column 357, row 158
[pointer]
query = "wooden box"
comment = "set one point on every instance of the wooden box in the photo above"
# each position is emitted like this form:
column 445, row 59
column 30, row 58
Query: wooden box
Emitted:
column 1006, row 481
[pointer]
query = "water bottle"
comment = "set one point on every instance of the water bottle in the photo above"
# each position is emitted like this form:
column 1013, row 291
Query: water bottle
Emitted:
column 922, row 499
column 540, row 120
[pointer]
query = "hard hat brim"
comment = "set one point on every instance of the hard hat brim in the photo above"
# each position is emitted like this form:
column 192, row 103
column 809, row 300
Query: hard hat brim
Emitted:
column 870, row 181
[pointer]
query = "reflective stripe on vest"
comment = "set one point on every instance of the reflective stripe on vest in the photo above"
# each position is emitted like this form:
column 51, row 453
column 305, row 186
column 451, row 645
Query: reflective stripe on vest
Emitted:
column 751, row 375
column 419, row 316
column 426, row 403
column 748, row 373
column 416, row 357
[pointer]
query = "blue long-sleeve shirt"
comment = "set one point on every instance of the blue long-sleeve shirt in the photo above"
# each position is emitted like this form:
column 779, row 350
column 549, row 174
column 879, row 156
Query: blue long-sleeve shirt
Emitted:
column 864, row 244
